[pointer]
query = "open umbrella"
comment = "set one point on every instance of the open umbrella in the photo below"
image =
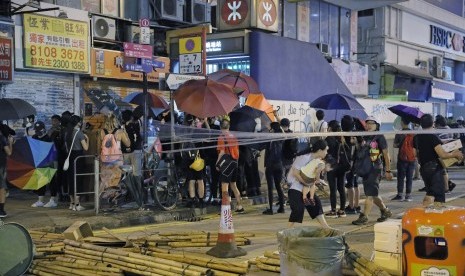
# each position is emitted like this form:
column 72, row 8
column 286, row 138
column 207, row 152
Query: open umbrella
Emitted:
column 152, row 111
column 236, row 80
column 259, row 102
column 205, row 98
column 243, row 119
column 412, row 114
column 29, row 167
column 153, row 100
column 336, row 101
column 11, row 109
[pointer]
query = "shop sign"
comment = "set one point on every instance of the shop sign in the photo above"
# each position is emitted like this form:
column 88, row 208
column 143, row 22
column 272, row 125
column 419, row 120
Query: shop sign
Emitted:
column 224, row 46
column 6, row 60
column 137, row 50
column 57, row 44
column 110, row 64
column 190, row 63
column 442, row 94
column 447, row 39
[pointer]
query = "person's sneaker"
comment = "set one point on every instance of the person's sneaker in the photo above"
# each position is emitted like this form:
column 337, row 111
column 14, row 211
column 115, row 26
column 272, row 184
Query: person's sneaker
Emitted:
column 78, row 207
column 2, row 214
column 280, row 210
column 358, row 209
column 451, row 185
column 331, row 214
column 267, row 212
column 398, row 198
column 71, row 206
column 341, row 214
column 38, row 204
column 385, row 214
column 240, row 211
column 362, row 220
column 422, row 189
column 51, row 204
column 408, row 198
column 350, row 211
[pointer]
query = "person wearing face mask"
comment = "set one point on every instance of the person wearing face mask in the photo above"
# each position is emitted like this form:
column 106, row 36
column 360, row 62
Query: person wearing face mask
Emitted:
column 28, row 123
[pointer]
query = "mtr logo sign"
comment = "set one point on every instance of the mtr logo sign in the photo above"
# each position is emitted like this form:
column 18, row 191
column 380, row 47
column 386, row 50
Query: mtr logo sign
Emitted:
column 243, row 14
column 448, row 39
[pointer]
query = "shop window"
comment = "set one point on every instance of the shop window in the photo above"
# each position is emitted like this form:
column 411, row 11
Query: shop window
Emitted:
column 324, row 22
column 431, row 248
column 369, row 12
column 314, row 22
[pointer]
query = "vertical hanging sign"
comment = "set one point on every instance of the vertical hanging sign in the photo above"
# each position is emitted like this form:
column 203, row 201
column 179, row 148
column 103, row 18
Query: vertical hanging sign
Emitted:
column 190, row 55
column 6, row 60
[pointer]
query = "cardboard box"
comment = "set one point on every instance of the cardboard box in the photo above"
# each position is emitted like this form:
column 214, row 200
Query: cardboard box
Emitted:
column 446, row 163
column 388, row 236
column 453, row 145
column 78, row 231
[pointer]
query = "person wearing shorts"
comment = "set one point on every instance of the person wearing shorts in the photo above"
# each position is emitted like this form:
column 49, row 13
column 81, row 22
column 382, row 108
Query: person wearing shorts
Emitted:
column 378, row 148
column 228, row 144
column 296, row 199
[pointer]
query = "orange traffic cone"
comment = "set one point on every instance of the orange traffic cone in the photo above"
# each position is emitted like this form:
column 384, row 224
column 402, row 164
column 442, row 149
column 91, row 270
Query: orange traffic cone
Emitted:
column 226, row 244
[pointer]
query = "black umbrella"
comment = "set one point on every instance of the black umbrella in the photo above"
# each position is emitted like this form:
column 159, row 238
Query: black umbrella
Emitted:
column 108, row 99
column 243, row 119
column 12, row 109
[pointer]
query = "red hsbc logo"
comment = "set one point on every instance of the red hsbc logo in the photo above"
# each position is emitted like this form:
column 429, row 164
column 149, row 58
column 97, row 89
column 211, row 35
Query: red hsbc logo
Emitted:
column 267, row 12
column 234, row 12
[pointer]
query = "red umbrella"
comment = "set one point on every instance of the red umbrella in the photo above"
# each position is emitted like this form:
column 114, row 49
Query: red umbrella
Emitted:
column 236, row 80
column 205, row 98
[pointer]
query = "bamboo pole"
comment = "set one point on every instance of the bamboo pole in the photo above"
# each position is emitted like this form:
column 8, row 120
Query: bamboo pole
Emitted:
column 271, row 254
column 181, row 254
column 266, row 267
column 97, row 265
column 49, row 270
column 200, row 244
column 53, row 244
column 269, row 261
column 40, row 272
column 153, row 263
column 50, row 249
column 66, row 269
column 84, row 266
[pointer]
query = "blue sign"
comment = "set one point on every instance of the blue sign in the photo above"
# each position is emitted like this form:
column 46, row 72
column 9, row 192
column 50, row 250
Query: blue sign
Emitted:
column 153, row 62
column 138, row 67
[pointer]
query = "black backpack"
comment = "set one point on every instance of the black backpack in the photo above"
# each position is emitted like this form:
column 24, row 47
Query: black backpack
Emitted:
column 290, row 147
column 363, row 164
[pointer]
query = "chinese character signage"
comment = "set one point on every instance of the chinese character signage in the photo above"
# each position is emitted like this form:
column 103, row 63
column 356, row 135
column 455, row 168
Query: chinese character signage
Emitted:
column 55, row 44
column 111, row 64
column 6, row 60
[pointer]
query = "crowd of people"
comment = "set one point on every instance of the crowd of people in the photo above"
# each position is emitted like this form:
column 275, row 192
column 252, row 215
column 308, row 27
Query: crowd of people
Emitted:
column 325, row 160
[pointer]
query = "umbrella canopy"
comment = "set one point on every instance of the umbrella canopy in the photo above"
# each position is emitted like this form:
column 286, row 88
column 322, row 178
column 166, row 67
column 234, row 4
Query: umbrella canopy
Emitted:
column 152, row 111
column 153, row 100
column 11, row 109
column 236, row 80
column 259, row 102
column 205, row 98
column 243, row 119
column 29, row 167
column 410, row 113
column 336, row 101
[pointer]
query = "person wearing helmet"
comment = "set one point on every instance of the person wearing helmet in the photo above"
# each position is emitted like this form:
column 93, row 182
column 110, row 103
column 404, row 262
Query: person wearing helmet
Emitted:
column 378, row 148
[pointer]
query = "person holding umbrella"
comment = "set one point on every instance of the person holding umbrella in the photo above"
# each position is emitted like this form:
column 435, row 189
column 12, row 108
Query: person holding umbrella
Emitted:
column 6, row 145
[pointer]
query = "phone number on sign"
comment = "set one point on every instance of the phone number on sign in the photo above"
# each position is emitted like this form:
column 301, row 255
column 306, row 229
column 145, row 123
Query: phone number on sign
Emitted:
column 67, row 59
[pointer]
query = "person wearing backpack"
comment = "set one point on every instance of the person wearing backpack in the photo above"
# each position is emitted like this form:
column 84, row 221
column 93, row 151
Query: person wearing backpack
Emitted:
column 111, row 136
column 376, row 147
column 133, row 153
column 405, row 162
column 274, row 170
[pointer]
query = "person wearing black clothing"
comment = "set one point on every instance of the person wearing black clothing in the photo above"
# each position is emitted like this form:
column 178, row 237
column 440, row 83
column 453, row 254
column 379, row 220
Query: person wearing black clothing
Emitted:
column 211, row 155
column 133, row 153
column 429, row 150
column 378, row 150
column 405, row 168
column 42, row 135
column 337, row 151
column 274, row 169
column 353, row 192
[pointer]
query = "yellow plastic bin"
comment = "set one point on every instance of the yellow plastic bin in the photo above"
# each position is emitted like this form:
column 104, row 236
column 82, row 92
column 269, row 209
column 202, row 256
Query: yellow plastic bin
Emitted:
column 311, row 251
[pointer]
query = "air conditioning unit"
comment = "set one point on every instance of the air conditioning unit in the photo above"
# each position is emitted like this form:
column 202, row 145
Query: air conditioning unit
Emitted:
column 169, row 10
column 437, row 66
column 132, row 34
column 198, row 12
column 103, row 28
column 324, row 48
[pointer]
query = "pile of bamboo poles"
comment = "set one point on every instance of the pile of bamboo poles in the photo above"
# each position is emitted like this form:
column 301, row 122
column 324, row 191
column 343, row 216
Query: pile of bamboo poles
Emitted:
column 270, row 261
column 189, row 239
column 57, row 256
column 359, row 265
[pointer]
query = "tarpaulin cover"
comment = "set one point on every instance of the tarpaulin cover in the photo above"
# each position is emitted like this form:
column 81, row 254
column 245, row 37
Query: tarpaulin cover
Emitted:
column 312, row 248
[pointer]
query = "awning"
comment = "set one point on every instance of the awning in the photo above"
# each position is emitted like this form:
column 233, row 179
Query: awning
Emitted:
column 446, row 90
column 359, row 4
column 406, row 70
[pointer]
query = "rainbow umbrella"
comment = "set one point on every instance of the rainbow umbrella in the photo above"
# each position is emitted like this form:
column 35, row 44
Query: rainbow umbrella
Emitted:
column 30, row 165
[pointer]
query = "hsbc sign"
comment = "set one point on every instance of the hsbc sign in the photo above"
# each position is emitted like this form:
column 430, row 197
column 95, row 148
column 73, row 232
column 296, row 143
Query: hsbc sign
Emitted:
column 244, row 14
column 446, row 38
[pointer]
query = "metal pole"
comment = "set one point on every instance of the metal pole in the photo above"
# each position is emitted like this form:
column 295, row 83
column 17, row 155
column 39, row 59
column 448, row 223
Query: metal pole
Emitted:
column 145, row 92
column 172, row 120
column 96, row 184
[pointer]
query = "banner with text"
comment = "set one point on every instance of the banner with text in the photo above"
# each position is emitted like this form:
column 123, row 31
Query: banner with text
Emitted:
column 379, row 109
column 6, row 60
column 57, row 44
